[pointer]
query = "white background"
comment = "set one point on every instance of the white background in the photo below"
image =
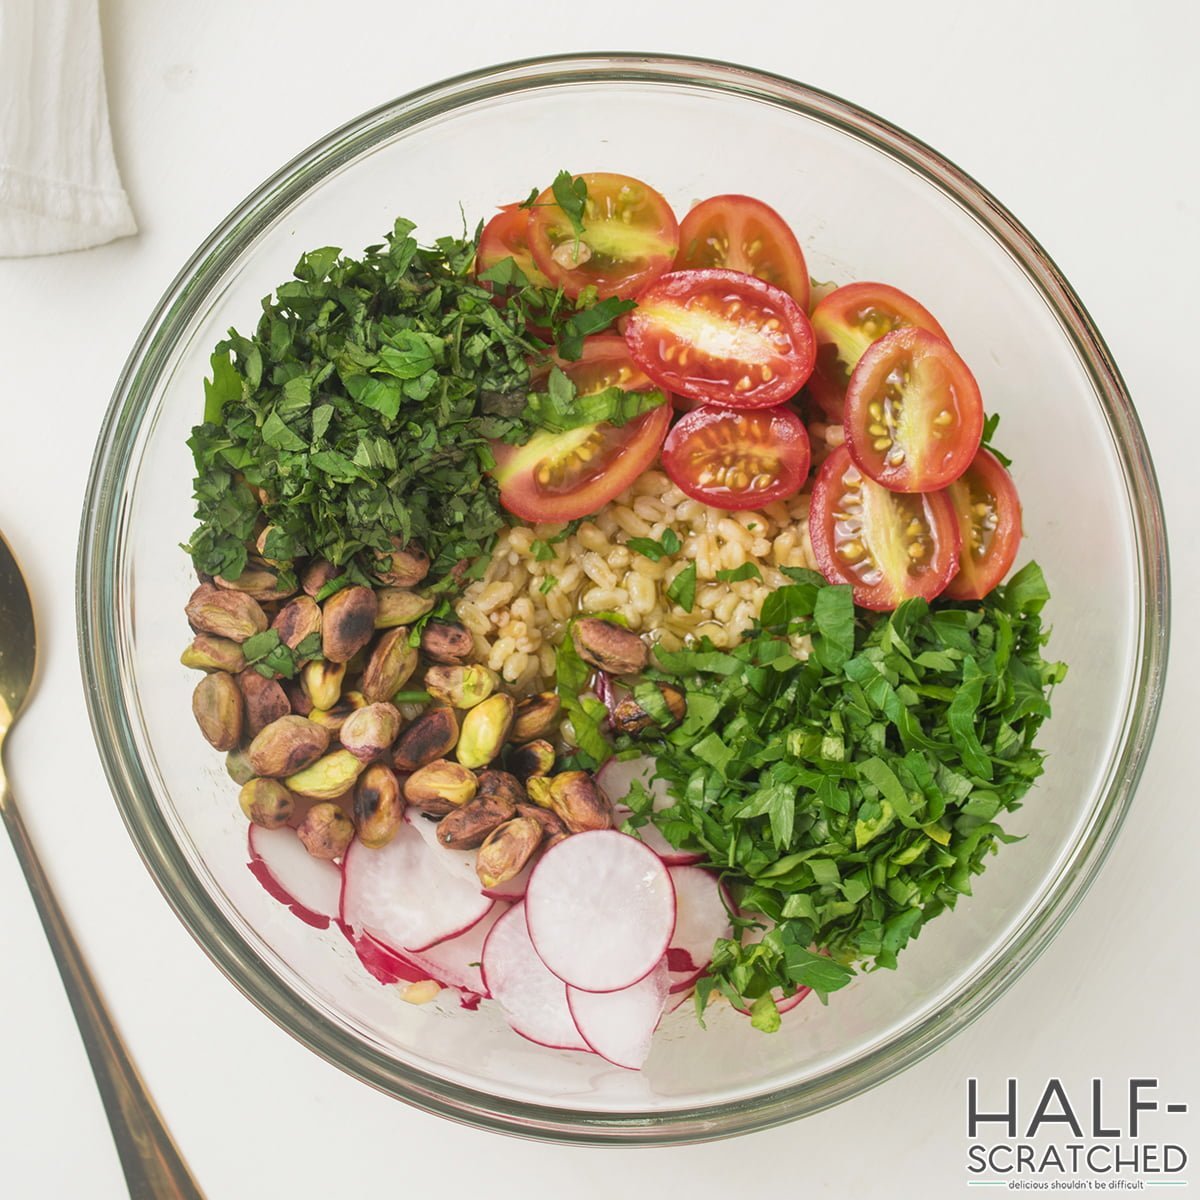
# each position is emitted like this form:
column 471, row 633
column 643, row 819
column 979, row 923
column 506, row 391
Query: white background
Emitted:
column 1082, row 118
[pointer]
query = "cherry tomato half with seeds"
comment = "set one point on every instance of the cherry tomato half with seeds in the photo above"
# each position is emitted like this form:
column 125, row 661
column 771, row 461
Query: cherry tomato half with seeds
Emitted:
column 914, row 415
column 888, row 546
column 736, row 458
column 989, row 523
column 630, row 237
column 562, row 476
column 846, row 322
column 722, row 337
column 740, row 233
column 506, row 235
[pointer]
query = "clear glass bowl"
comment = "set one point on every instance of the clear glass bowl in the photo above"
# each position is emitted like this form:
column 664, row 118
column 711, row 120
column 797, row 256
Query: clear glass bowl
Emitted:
column 868, row 202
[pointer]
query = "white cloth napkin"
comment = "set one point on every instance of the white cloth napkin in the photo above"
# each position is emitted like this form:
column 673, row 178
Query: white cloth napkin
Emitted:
column 59, row 187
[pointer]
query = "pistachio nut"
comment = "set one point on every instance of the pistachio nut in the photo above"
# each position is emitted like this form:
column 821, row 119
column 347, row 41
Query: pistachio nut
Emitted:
column 579, row 803
column 298, row 698
column 317, row 574
column 552, row 827
column 535, row 716
column 326, row 831
column 378, row 806
column 286, row 746
column 399, row 606
column 501, row 783
column 533, row 758
column 208, row 653
column 218, row 708
column 369, row 732
column 390, row 666
column 266, row 802
column 403, row 566
column 328, row 777
column 630, row 717
column 463, row 687
column 446, row 643
column 258, row 580
column 322, row 681
column 440, row 786
column 355, row 699
column 225, row 614
column 484, row 730
column 266, row 701
column 237, row 766
column 347, row 623
column 433, row 734
column 298, row 619
column 606, row 645
column 537, row 788
column 332, row 719
column 465, row 828
column 506, row 850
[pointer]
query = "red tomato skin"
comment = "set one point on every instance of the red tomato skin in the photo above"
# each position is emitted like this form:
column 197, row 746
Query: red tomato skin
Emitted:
column 915, row 347
column 938, row 512
column 835, row 312
column 506, row 235
column 622, row 283
column 974, row 581
column 777, row 429
column 794, row 341
column 731, row 213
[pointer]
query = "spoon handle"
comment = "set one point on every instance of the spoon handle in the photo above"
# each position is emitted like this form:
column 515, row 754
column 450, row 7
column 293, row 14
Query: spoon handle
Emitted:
column 154, row 1169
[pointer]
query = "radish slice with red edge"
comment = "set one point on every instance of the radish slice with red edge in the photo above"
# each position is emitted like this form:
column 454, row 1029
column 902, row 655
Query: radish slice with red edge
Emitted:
column 533, row 1000
column 619, row 1025
column 616, row 777
column 601, row 910
column 513, row 889
column 401, row 895
column 457, row 862
column 310, row 887
column 380, row 961
column 456, row 962
column 701, row 917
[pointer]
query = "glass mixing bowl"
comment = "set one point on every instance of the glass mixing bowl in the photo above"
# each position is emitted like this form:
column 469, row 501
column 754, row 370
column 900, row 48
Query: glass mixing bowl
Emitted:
column 868, row 202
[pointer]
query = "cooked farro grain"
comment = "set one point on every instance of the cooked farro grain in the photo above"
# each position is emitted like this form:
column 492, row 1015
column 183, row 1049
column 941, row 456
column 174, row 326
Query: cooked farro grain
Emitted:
column 517, row 612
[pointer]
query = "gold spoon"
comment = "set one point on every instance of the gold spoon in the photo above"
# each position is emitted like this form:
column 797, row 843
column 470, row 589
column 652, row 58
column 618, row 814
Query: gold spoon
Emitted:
column 153, row 1167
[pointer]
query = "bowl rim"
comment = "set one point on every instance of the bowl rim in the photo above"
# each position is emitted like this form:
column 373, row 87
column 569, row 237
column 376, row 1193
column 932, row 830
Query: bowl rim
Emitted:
column 97, row 606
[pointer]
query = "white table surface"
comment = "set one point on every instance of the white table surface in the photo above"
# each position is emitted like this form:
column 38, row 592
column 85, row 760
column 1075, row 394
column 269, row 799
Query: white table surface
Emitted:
column 1081, row 118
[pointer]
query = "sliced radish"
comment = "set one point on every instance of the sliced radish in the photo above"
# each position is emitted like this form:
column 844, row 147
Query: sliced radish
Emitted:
column 457, row 862
column 514, row 889
column 381, row 961
column 701, row 917
column 601, row 910
column 617, row 777
column 456, row 962
column 401, row 895
column 533, row 1000
column 310, row 887
column 676, row 1000
column 619, row 1025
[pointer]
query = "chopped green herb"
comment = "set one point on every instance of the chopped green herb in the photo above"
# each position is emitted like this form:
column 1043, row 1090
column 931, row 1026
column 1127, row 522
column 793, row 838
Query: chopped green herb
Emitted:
column 682, row 589
column 738, row 574
column 547, row 585
column 989, row 431
column 655, row 551
column 849, row 797
column 561, row 407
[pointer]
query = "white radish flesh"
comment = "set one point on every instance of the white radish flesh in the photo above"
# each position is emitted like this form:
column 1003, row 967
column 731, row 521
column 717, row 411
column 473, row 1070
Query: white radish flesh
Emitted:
column 700, row 919
column 456, row 962
column 457, row 862
column 401, row 895
column 617, row 777
column 619, row 1025
column 601, row 910
column 533, row 999
column 310, row 887
column 513, row 889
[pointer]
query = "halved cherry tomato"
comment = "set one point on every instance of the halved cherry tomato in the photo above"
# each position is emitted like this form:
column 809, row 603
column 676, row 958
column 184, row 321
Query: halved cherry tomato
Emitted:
column 629, row 237
column 740, row 233
column 506, row 235
column 722, row 337
column 889, row 546
column 735, row 459
column 914, row 415
column 989, row 522
column 561, row 476
column 846, row 322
